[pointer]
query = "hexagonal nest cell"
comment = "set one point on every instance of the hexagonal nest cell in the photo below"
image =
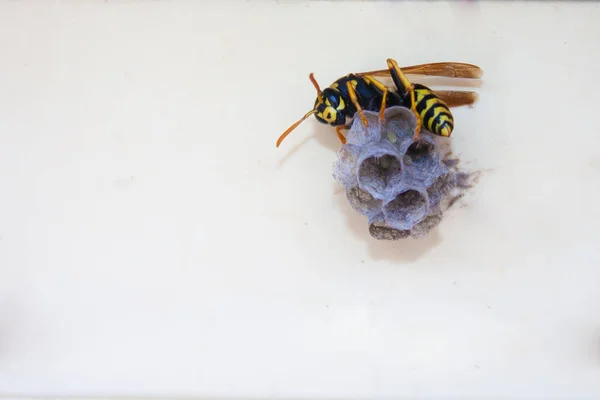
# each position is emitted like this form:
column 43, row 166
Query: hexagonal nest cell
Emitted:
column 399, row 184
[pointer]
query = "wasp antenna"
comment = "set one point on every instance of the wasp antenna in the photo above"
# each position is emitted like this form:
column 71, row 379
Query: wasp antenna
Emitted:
column 291, row 128
column 314, row 82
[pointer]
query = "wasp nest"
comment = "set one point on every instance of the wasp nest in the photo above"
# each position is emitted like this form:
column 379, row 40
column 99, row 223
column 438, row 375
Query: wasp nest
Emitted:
column 402, row 186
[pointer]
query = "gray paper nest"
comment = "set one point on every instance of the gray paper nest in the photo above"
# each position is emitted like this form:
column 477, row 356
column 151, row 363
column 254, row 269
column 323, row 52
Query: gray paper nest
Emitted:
column 402, row 186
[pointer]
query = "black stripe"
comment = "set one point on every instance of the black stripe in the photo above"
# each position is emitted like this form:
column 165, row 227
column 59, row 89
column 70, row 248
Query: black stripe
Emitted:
column 447, row 114
column 439, row 127
column 438, row 119
column 428, row 115
column 436, row 123
column 423, row 102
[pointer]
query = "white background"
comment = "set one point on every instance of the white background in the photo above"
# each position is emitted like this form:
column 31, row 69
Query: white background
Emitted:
column 153, row 241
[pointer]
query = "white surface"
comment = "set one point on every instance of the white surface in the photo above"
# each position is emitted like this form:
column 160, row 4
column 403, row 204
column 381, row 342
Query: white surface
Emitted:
column 154, row 242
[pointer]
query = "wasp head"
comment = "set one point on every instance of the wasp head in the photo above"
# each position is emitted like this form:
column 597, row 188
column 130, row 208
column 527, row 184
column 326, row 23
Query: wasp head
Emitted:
column 330, row 107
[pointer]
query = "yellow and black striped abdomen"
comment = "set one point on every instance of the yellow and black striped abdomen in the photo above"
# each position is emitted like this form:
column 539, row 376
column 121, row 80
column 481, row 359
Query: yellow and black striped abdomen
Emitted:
column 435, row 114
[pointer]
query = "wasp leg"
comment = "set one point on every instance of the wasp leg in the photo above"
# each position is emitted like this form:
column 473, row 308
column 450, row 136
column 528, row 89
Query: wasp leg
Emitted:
column 338, row 130
column 384, row 91
column 383, row 101
column 354, row 99
column 403, row 83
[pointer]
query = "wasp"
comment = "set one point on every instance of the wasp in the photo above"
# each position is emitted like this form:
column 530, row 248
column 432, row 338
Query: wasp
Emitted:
column 337, row 104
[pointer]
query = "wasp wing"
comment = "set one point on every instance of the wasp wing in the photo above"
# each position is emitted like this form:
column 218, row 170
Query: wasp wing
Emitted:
column 457, row 98
column 446, row 69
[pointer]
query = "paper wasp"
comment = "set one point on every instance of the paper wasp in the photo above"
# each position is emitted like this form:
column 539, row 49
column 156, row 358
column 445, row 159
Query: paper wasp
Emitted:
column 361, row 91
